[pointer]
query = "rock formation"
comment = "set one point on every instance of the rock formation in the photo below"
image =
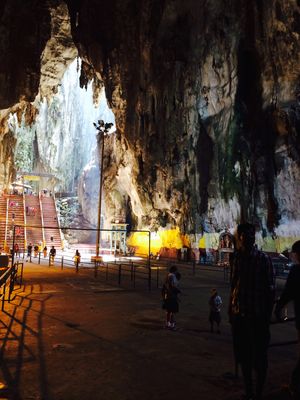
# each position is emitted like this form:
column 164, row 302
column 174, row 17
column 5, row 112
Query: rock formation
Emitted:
column 206, row 100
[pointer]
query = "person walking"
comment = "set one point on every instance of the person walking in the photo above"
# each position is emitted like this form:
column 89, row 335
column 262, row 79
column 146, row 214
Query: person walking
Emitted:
column 52, row 254
column 77, row 257
column 29, row 250
column 17, row 249
column 170, row 293
column 250, row 308
column 45, row 250
column 291, row 292
column 36, row 250
column 215, row 303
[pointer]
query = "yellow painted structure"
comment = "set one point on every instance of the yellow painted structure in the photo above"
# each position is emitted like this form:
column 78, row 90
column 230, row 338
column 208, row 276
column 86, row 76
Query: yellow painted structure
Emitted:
column 173, row 239
column 169, row 238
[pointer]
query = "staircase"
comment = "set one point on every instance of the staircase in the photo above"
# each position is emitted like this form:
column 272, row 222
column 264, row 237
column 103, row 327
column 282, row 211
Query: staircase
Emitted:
column 51, row 230
column 3, row 207
column 34, row 230
column 15, row 217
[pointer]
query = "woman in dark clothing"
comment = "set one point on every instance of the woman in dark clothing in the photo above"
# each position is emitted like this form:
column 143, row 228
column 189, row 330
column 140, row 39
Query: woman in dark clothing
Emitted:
column 170, row 293
column 291, row 292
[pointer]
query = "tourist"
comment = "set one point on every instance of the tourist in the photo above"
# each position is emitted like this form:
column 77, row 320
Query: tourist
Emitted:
column 250, row 308
column 29, row 250
column 291, row 292
column 170, row 293
column 52, row 254
column 17, row 249
column 77, row 257
column 45, row 251
column 36, row 250
column 215, row 303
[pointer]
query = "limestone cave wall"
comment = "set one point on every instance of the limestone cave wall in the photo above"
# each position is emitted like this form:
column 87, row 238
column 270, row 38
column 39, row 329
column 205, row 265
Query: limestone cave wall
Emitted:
column 206, row 99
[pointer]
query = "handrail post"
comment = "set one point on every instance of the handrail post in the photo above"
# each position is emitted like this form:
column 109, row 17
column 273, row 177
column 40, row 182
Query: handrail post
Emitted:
column 77, row 265
column 25, row 220
column 3, row 296
column 42, row 219
column 13, row 247
column 133, row 266
column 21, row 279
column 39, row 257
column 62, row 263
column 149, row 276
column 11, row 281
column 6, row 222
column 119, row 277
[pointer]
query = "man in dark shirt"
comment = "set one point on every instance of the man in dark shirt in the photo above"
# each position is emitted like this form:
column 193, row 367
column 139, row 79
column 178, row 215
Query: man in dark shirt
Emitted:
column 29, row 250
column 291, row 292
column 53, row 251
column 250, row 308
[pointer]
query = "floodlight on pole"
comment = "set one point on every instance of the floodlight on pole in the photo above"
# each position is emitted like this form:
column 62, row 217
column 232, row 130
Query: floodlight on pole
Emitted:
column 103, row 129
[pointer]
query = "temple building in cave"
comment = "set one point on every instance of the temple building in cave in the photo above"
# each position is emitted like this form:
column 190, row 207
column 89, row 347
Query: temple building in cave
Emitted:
column 203, row 99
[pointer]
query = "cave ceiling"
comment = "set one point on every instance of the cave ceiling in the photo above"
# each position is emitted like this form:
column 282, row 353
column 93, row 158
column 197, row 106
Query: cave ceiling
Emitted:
column 205, row 96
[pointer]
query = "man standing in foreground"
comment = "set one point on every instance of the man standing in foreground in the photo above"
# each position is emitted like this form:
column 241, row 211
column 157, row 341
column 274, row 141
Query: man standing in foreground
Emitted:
column 250, row 308
column 291, row 292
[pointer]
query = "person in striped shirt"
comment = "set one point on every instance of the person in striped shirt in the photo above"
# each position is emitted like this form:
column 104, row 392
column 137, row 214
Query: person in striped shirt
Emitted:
column 250, row 308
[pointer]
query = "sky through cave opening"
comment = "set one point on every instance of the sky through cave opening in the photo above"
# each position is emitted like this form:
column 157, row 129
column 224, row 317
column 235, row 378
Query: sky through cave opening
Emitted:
column 61, row 139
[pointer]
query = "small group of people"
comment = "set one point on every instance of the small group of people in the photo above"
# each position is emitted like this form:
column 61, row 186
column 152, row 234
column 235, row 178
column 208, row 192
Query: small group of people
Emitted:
column 37, row 249
column 52, row 253
column 251, row 305
column 46, row 193
column 30, row 211
column 170, row 292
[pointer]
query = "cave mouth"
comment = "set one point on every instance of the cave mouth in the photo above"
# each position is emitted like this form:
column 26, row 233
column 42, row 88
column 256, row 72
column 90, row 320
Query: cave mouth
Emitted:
column 57, row 150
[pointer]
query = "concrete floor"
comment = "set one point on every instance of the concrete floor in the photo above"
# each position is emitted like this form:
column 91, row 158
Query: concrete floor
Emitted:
column 68, row 336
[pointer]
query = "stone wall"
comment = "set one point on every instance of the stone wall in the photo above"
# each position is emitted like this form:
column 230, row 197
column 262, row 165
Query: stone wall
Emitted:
column 206, row 100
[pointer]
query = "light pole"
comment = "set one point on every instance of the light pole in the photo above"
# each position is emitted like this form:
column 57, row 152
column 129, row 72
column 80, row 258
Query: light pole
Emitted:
column 102, row 128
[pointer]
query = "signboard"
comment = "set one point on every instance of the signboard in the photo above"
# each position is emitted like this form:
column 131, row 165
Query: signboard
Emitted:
column 31, row 177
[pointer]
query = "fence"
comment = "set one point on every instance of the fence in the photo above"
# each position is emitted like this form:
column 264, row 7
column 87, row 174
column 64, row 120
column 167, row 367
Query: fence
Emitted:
column 125, row 271
column 8, row 279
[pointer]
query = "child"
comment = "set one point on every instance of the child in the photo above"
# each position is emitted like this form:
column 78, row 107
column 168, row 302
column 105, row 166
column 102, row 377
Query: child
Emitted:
column 215, row 303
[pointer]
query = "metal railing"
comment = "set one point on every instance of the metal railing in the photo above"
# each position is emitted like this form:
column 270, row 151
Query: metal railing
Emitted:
column 13, row 275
